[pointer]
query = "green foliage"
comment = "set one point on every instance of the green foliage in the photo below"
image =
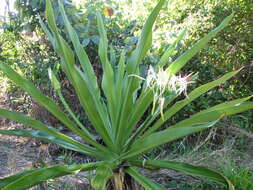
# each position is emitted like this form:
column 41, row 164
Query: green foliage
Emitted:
column 241, row 177
column 199, row 17
column 82, row 17
column 117, row 109
column 31, row 57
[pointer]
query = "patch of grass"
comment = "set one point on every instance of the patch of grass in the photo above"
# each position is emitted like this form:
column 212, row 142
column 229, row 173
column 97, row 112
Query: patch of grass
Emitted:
column 241, row 177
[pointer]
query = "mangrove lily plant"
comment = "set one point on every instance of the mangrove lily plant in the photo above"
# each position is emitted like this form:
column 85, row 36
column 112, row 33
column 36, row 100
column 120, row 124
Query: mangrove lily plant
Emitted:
column 127, row 112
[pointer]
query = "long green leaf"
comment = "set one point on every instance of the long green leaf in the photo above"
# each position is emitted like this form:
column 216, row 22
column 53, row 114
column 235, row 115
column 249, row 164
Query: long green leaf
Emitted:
column 47, row 32
column 233, row 103
column 84, row 149
column 183, row 59
column 121, row 72
column 224, row 109
column 26, row 120
column 197, row 171
column 168, row 53
column 103, row 175
column 113, row 58
column 145, row 182
column 144, row 42
column 119, row 93
column 145, row 144
column 128, row 103
column 10, row 179
column 80, row 52
column 28, row 179
column 108, row 80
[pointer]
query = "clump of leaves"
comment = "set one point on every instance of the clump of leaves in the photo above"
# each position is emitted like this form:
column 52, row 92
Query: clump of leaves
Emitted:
column 116, row 115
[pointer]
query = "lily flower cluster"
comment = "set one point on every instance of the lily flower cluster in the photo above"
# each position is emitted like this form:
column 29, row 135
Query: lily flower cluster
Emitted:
column 164, row 82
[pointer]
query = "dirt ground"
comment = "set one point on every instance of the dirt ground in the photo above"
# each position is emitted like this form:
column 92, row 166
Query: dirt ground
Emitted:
column 16, row 153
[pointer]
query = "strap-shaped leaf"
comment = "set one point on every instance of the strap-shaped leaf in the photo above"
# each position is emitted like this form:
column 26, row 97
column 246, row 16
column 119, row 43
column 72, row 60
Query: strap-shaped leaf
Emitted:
column 47, row 32
column 197, row 171
column 28, row 179
column 227, row 104
column 131, row 85
column 113, row 58
column 145, row 182
column 103, row 41
column 103, row 175
column 190, row 97
column 224, row 109
column 119, row 92
column 91, row 106
column 169, row 52
column 80, row 52
column 84, row 149
column 10, row 179
column 55, row 83
column 26, row 120
column 145, row 144
column 47, row 102
column 108, row 80
column 183, row 59
column 121, row 71
column 120, row 77
column 145, row 40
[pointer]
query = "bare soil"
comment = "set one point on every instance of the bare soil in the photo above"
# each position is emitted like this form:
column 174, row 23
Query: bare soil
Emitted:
column 16, row 153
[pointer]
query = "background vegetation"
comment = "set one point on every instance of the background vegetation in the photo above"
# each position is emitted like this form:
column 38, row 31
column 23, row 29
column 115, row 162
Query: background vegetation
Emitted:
column 24, row 46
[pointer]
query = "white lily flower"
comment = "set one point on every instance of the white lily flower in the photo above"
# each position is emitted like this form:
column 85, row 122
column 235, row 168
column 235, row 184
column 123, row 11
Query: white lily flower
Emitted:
column 162, row 82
